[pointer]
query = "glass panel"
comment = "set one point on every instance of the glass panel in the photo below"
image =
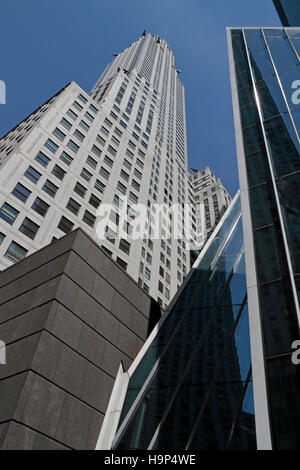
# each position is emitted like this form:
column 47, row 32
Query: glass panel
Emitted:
column 270, row 254
column 281, row 51
column 279, row 319
column 283, row 382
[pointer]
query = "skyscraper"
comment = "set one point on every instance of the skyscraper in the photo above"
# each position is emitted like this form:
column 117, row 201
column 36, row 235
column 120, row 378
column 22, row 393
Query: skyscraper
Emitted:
column 288, row 11
column 211, row 199
column 265, row 76
column 78, row 152
column 190, row 387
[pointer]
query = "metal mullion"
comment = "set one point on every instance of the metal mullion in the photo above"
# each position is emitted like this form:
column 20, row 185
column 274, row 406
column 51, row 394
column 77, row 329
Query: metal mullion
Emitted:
column 239, row 407
column 291, row 44
column 196, row 349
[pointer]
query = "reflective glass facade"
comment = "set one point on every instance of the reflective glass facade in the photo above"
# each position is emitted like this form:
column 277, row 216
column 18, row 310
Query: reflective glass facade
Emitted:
column 192, row 389
column 288, row 11
column 265, row 79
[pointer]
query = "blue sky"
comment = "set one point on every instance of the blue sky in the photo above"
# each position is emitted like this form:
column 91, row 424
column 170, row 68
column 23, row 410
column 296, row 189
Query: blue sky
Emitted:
column 46, row 44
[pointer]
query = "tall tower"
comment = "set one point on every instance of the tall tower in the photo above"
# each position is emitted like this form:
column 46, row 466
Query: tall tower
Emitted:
column 265, row 74
column 211, row 199
column 123, row 144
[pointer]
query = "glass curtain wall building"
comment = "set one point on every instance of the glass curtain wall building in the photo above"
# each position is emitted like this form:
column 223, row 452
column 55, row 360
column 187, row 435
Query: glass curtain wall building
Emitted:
column 265, row 75
column 288, row 11
column 191, row 387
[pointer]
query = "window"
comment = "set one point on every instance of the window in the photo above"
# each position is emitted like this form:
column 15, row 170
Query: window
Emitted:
column 73, row 206
column 89, row 219
column 40, row 206
column 96, row 151
column 108, row 122
column 65, row 157
column 77, row 106
column 59, row 134
column 74, row 147
column 124, row 246
column 135, row 185
column 15, row 252
column 104, row 131
column 127, row 164
column 108, row 161
column 50, row 188
column 93, row 109
column 66, row 124
column 131, row 144
column 78, row 135
column 123, row 124
column 82, row 98
column 72, row 115
column 106, row 250
column 85, row 174
column 58, row 172
column 124, row 175
column 118, row 132
column 32, row 174
column 65, row 225
column 84, row 126
column 89, row 117
column 21, row 192
column 113, row 115
column 147, row 273
column 121, row 263
column 137, row 173
column 94, row 201
column 139, row 163
column 112, row 150
column 129, row 154
column 121, row 188
column 100, row 186
column 2, row 236
column 29, row 228
column 103, row 172
column 80, row 190
column 133, row 198
column 90, row 161
column 110, row 235
column 8, row 213
column 101, row 140
column 115, row 140
column 42, row 159
column 50, row 145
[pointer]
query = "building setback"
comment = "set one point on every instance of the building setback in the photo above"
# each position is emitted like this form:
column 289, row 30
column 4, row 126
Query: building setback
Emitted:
column 79, row 151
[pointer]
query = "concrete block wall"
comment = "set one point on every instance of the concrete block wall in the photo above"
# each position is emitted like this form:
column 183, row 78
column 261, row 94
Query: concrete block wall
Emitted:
column 68, row 315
